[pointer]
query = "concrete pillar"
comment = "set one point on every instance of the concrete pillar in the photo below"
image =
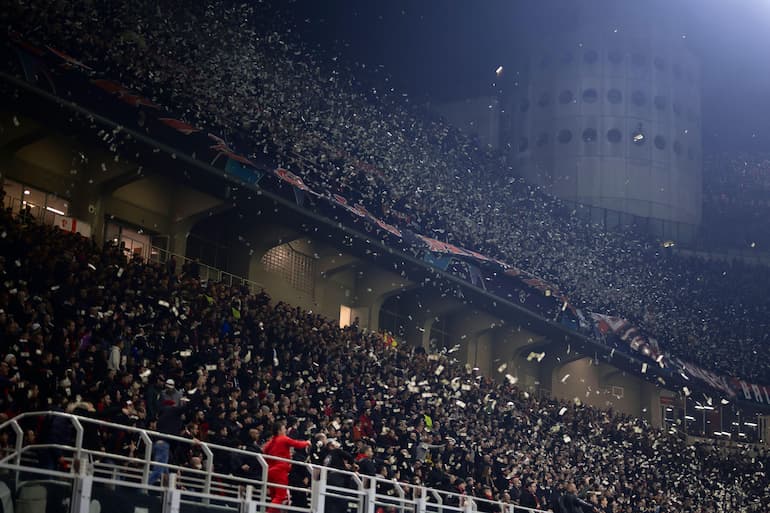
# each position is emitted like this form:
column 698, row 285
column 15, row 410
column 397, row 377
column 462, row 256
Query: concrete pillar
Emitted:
column 177, row 237
column 650, row 398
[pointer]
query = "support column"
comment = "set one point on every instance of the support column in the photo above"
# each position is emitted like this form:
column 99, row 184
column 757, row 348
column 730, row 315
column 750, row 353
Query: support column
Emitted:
column 82, row 487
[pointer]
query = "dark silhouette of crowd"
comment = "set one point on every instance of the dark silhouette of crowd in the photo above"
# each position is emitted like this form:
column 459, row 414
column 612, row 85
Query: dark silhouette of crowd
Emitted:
column 736, row 201
column 92, row 331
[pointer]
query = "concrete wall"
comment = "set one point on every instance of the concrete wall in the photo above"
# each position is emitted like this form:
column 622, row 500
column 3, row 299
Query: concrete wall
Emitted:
column 604, row 386
column 584, row 85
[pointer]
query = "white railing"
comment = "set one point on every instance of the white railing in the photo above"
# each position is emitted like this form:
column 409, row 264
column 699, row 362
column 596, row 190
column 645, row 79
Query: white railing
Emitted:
column 206, row 272
column 65, row 458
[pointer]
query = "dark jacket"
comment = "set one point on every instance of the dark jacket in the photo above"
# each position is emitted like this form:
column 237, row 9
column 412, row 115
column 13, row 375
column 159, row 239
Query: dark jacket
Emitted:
column 529, row 500
column 571, row 503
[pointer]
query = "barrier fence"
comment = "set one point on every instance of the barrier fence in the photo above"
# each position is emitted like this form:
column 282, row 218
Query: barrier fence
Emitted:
column 65, row 463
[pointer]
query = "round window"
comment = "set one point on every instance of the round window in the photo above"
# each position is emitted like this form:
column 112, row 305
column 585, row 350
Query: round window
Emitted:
column 591, row 56
column 589, row 135
column 638, row 98
column 615, row 57
column 590, row 96
column 660, row 64
column 542, row 140
column 524, row 105
column 614, row 96
column 564, row 136
column 545, row 99
column 660, row 142
column 523, row 144
column 677, row 147
column 614, row 135
column 660, row 102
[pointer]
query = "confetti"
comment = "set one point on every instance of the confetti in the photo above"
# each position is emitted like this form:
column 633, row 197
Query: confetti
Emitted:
column 535, row 356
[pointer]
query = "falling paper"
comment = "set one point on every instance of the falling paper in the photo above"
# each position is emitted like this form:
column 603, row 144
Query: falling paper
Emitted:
column 502, row 367
column 644, row 368
column 460, row 403
column 439, row 370
column 511, row 379
column 565, row 378
column 562, row 411
column 535, row 356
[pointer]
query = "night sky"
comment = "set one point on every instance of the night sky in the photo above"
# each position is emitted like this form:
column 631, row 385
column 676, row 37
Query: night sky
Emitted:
column 437, row 50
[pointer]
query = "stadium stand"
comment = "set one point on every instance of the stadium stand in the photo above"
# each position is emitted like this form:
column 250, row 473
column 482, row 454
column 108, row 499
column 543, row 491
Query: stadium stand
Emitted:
column 282, row 102
column 132, row 343
column 125, row 342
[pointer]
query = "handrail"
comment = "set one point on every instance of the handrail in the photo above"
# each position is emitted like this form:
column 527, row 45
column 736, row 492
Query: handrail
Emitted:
column 208, row 484
column 161, row 255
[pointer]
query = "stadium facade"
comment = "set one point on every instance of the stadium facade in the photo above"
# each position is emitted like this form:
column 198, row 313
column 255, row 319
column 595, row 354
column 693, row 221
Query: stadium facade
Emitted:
column 606, row 113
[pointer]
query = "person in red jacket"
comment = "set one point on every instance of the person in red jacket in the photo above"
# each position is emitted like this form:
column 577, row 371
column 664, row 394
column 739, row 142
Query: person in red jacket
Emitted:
column 278, row 471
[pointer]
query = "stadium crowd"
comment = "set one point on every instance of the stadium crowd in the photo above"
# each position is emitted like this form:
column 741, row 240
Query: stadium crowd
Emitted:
column 736, row 201
column 240, row 70
column 86, row 330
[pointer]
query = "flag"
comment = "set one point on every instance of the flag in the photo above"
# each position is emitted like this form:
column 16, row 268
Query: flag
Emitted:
column 746, row 389
column 291, row 178
column 179, row 126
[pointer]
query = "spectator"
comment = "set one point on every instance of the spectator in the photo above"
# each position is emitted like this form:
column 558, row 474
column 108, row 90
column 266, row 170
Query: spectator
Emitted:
column 279, row 446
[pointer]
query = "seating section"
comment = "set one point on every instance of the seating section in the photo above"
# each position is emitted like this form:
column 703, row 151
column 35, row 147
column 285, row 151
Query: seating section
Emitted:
column 281, row 102
column 90, row 332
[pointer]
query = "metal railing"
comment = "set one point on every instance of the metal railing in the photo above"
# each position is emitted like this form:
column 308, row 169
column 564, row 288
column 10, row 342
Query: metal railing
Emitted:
column 205, row 272
column 35, row 212
column 68, row 456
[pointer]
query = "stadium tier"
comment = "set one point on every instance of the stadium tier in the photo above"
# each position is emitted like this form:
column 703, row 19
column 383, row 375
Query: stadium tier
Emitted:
column 168, row 167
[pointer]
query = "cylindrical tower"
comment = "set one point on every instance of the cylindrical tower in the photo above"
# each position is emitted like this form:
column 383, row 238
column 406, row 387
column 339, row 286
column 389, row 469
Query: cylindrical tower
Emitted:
column 609, row 115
